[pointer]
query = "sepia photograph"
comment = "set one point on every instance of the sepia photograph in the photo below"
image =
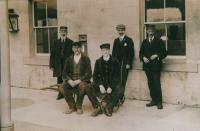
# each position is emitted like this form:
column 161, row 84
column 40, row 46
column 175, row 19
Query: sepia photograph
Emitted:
column 99, row 65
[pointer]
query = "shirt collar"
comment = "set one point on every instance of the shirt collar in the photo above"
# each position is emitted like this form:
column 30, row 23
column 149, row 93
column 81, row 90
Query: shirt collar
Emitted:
column 63, row 38
column 121, row 37
column 106, row 58
column 77, row 58
column 150, row 39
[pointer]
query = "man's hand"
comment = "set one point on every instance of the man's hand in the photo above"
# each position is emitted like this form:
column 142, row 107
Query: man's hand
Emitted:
column 77, row 81
column 109, row 90
column 102, row 89
column 71, row 83
column 146, row 60
column 128, row 66
column 153, row 57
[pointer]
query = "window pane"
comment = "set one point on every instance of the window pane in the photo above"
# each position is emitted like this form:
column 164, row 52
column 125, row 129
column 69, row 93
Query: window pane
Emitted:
column 154, row 10
column 52, row 12
column 176, row 39
column 53, row 34
column 42, row 40
column 40, row 13
column 175, row 10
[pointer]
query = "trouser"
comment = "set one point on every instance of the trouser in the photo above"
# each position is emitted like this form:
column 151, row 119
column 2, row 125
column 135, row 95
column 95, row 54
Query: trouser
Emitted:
column 110, row 99
column 124, row 76
column 153, row 78
column 59, row 81
column 80, row 90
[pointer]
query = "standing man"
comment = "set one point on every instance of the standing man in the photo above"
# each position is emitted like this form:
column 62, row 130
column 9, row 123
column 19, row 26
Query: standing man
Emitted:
column 106, row 80
column 76, row 75
column 152, row 52
column 61, row 49
column 123, row 50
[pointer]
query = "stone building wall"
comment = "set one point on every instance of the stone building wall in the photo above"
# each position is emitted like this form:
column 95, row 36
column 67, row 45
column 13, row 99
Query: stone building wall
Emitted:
column 97, row 19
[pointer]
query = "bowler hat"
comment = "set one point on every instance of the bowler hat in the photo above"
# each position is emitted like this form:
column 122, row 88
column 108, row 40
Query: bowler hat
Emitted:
column 150, row 27
column 63, row 27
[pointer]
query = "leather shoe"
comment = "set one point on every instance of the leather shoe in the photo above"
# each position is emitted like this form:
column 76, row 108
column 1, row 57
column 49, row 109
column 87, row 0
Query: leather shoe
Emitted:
column 60, row 96
column 79, row 111
column 96, row 112
column 70, row 111
column 159, row 106
column 115, row 108
column 152, row 103
column 108, row 112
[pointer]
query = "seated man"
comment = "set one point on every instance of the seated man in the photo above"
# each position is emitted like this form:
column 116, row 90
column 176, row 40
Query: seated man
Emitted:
column 76, row 75
column 106, row 79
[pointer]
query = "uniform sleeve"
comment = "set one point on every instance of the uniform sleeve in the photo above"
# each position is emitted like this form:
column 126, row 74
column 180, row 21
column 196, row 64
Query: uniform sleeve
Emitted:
column 141, row 53
column 131, row 53
column 96, row 75
column 116, row 77
column 52, row 56
column 114, row 50
column 162, row 53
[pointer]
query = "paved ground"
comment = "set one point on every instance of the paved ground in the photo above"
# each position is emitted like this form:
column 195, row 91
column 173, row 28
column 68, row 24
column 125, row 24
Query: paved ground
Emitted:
column 34, row 110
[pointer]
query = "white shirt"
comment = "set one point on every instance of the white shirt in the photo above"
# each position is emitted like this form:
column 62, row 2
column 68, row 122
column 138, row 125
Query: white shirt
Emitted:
column 121, row 37
column 77, row 58
column 106, row 58
column 150, row 39
column 63, row 38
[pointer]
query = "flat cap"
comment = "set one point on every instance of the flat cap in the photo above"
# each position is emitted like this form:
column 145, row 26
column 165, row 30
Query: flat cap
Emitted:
column 120, row 26
column 105, row 46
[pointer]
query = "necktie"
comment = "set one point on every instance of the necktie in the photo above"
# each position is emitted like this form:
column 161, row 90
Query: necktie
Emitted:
column 150, row 40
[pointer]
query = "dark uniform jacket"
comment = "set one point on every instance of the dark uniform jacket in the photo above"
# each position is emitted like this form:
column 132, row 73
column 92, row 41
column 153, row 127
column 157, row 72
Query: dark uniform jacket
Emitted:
column 148, row 49
column 85, row 68
column 124, row 50
column 59, row 52
column 99, row 77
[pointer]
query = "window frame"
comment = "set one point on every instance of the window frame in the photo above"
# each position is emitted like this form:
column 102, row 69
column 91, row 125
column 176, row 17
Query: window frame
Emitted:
column 164, row 22
column 42, row 27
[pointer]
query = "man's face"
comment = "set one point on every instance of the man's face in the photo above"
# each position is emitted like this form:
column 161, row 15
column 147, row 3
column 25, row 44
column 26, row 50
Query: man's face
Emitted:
column 121, row 32
column 63, row 32
column 150, row 33
column 76, row 50
column 105, row 52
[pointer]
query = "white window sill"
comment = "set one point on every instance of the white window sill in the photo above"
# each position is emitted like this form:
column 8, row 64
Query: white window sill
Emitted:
column 173, row 65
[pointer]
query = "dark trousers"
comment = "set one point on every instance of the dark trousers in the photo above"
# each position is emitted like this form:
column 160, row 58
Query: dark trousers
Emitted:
column 124, row 76
column 110, row 99
column 59, row 81
column 153, row 78
column 80, row 90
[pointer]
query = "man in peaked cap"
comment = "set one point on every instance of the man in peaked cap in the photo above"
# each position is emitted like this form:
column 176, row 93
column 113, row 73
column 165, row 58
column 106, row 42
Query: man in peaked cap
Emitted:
column 60, row 50
column 123, row 51
column 106, row 80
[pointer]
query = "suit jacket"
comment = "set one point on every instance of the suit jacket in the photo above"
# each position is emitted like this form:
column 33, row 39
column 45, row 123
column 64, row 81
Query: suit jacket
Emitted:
column 85, row 68
column 124, row 50
column 59, row 53
column 148, row 49
column 98, row 75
